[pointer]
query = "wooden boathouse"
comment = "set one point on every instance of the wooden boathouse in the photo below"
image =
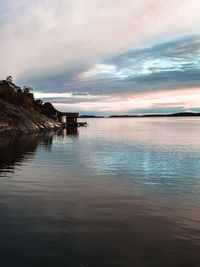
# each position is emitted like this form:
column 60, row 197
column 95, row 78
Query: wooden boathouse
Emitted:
column 69, row 119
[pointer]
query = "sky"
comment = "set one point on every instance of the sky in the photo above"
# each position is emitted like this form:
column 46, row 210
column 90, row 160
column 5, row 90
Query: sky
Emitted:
column 104, row 57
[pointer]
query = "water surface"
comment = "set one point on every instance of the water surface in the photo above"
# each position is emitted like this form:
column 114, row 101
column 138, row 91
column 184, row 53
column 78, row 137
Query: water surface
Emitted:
column 121, row 192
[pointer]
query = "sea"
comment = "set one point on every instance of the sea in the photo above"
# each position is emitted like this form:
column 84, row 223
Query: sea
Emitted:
column 121, row 192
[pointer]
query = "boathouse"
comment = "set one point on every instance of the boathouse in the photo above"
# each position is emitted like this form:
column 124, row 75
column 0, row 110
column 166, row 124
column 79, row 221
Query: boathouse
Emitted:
column 68, row 117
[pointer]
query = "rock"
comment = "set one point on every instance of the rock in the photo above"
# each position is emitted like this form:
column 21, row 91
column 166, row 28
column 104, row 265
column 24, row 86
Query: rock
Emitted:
column 17, row 119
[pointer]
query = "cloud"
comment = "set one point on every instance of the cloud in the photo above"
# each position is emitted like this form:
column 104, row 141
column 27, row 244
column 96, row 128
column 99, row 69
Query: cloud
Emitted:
column 133, row 81
column 99, row 52
column 44, row 37
column 173, row 64
column 151, row 102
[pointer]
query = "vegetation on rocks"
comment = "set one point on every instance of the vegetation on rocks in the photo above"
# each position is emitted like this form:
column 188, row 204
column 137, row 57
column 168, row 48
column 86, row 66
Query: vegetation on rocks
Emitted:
column 24, row 98
column 20, row 111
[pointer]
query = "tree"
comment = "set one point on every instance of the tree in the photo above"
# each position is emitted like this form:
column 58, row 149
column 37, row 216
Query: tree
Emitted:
column 9, row 79
column 38, row 105
column 27, row 89
column 49, row 110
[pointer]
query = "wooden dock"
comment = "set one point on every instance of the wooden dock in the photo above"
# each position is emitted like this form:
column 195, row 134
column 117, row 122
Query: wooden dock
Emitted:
column 75, row 124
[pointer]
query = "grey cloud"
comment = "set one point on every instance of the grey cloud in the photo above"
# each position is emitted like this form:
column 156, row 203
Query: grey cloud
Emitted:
column 170, row 65
column 168, row 79
column 63, row 81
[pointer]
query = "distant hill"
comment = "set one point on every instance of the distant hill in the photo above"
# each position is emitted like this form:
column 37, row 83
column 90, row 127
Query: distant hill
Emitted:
column 123, row 116
column 91, row 116
column 180, row 114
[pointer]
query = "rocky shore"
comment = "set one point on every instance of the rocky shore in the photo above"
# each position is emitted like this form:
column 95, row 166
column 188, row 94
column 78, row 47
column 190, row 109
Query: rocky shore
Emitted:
column 15, row 120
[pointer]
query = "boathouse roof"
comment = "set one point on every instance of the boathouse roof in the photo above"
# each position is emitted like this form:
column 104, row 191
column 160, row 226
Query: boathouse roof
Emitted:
column 69, row 114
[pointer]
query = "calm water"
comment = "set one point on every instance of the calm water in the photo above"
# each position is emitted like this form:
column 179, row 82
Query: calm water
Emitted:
column 119, row 193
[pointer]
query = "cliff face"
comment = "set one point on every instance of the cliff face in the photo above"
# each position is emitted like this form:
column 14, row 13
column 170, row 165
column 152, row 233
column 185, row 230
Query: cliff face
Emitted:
column 17, row 119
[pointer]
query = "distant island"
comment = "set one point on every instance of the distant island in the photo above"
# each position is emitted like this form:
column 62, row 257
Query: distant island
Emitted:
column 90, row 116
column 179, row 114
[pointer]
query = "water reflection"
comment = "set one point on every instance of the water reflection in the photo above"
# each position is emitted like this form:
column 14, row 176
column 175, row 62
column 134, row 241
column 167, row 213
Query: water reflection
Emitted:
column 102, row 197
column 68, row 131
column 15, row 150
